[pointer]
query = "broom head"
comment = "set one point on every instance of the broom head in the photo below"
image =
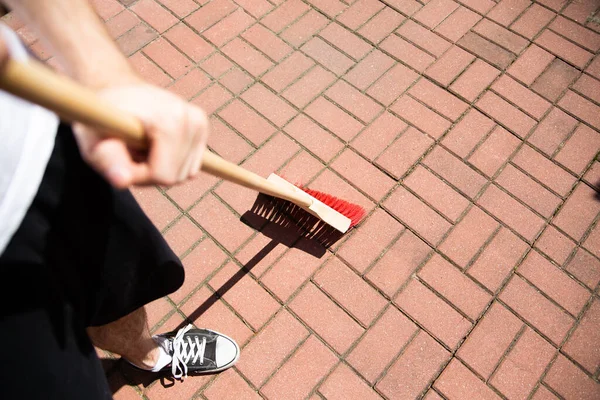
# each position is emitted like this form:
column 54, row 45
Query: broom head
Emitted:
column 338, row 213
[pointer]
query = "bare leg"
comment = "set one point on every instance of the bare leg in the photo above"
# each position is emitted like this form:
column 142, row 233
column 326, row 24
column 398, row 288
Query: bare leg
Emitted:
column 129, row 337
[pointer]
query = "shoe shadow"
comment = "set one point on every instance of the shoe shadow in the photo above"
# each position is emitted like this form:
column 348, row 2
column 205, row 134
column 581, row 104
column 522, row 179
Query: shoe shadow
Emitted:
column 124, row 374
column 120, row 373
column 109, row 364
column 284, row 223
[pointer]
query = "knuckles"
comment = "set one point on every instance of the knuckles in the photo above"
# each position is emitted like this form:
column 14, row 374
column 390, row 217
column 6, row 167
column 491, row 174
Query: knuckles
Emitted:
column 171, row 123
column 198, row 119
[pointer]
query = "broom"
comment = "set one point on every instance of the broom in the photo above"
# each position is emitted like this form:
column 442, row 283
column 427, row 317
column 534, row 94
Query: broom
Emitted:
column 72, row 102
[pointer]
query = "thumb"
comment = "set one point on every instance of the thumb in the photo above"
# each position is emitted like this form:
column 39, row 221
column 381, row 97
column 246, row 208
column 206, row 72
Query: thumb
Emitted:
column 111, row 159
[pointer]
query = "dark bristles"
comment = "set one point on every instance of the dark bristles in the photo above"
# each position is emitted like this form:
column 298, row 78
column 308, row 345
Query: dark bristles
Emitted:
column 352, row 211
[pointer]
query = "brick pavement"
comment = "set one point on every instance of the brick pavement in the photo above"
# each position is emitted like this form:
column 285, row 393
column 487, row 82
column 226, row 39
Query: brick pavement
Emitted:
column 469, row 130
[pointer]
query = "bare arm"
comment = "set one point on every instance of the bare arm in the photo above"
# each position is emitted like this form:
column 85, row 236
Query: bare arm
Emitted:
column 73, row 32
column 177, row 131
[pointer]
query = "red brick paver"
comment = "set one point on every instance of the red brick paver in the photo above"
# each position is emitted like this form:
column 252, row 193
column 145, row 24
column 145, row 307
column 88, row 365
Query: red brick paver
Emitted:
column 468, row 129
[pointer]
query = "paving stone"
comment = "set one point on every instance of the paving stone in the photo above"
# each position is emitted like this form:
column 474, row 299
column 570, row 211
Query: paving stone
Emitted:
column 467, row 129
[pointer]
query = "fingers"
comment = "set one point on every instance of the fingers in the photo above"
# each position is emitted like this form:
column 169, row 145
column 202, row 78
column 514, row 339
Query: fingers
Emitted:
column 201, row 130
column 177, row 156
column 197, row 160
column 188, row 137
column 111, row 159
column 3, row 54
column 166, row 154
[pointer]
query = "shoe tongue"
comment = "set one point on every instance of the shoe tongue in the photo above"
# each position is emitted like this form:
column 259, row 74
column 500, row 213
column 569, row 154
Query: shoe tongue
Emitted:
column 165, row 343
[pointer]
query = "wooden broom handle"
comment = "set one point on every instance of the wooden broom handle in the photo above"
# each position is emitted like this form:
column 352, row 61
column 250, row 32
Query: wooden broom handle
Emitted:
column 72, row 102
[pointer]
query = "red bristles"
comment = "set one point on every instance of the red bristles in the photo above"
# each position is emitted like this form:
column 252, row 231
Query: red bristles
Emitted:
column 352, row 211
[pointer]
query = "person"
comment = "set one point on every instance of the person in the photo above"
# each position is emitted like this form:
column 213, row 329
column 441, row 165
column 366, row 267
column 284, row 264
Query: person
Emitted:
column 79, row 258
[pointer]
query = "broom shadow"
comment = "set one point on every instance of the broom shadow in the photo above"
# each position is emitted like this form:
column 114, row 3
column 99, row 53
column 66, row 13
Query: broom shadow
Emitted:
column 283, row 223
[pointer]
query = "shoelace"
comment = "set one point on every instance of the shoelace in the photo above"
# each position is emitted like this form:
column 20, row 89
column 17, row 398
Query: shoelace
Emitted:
column 184, row 351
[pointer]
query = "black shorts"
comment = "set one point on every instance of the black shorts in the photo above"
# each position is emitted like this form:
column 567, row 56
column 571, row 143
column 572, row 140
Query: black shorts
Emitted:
column 84, row 255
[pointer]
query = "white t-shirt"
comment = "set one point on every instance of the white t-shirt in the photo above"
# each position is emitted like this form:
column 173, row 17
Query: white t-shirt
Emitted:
column 27, row 134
